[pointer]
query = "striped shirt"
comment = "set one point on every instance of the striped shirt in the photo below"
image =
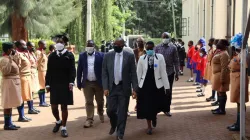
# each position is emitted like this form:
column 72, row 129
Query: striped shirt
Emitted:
column 171, row 57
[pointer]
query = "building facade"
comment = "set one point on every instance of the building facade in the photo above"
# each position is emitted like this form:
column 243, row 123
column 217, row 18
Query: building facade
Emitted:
column 211, row 18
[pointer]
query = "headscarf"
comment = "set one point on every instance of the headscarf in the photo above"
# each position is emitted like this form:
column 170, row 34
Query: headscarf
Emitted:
column 237, row 41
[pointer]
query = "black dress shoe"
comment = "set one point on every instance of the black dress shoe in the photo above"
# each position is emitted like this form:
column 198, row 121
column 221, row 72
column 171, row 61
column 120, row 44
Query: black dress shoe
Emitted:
column 37, row 110
column 44, row 105
column 11, row 127
column 57, row 127
column 119, row 138
column 234, row 127
column 168, row 114
column 64, row 133
column 219, row 112
column 32, row 112
column 154, row 123
column 210, row 99
column 231, row 125
column 23, row 119
column 149, row 131
column 27, row 118
column 215, row 109
column 112, row 131
column 215, row 103
column 16, row 126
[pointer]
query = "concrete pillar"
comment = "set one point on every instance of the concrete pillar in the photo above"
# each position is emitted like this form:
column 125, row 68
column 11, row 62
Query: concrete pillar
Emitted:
column 220, row 19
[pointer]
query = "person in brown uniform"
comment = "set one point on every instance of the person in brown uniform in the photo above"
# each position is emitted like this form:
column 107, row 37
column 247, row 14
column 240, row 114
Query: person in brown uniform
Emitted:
column 24, row 64
column 235, row 82
column 208, row 71
column 221, row 73
column 34, row 75
column 42, row 68
column 10, row 88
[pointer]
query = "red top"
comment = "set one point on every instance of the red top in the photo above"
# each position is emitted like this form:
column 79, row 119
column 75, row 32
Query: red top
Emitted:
column 195, row 58
column 202, row 65
column 191, row 52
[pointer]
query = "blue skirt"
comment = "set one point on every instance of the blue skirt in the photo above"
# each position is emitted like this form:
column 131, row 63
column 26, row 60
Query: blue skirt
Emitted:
column 189, row 66
column 194, row 64
column 203, row 81
column 198, row 76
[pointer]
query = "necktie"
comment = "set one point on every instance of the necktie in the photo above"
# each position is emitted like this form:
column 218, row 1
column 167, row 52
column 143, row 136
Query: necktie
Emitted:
column 60, row 54
column 117, row 69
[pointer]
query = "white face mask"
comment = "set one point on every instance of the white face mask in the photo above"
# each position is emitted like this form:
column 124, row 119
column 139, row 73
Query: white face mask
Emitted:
column 201, row 54
column 165, row 40
column 89, row 50
column 59, row 46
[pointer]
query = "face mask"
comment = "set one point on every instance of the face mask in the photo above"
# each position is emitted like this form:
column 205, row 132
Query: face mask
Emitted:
column 150, row 52
column 118, row 49
column 210, row 44
column 13, row 52
column 25, row 47
column 196, row 48
column 59, row 46
column 166, row 41
column 90, row 50
column 201, row 54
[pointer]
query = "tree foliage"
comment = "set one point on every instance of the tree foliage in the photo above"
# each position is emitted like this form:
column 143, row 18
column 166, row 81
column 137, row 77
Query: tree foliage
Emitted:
column 42, row 17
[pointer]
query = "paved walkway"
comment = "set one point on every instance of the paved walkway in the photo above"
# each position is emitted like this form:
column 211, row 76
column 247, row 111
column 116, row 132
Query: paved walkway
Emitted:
column 191, row 120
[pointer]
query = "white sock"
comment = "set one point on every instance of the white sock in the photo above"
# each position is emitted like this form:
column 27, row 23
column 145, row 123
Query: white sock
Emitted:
column 63, row 128
column 58, row 122
column 203, row 89
column 191, row 78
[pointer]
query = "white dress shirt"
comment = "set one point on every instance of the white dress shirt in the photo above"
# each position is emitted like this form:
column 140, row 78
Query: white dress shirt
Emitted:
column 121, row 60
column 91, row 67
column 63, row 52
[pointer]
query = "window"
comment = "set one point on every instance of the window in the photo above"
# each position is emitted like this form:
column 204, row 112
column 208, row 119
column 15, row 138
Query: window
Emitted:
column 184, row 27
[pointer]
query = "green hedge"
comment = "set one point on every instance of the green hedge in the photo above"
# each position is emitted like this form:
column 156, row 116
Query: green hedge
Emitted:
column 155, row 40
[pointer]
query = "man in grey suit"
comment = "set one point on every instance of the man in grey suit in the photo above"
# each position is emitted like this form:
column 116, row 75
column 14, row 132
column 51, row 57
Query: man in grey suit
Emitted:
column 118, row 73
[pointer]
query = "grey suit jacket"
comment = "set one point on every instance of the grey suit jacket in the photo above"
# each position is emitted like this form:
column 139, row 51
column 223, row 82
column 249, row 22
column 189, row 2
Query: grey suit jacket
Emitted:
column 128, row 72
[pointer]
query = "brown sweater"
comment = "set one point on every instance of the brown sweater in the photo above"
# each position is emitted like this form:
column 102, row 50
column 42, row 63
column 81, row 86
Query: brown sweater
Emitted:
column 41, row 61
column 9, row 68
column 23, row 62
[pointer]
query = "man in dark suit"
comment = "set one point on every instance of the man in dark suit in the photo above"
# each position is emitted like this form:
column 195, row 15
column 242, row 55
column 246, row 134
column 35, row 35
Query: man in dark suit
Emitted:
column 118, row 74
column 89, row 77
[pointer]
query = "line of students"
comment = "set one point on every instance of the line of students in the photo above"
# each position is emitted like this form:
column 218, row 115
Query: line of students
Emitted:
column 23, row 71
column 222, row 71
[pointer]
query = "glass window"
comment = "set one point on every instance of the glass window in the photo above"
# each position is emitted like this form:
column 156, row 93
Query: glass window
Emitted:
column 184, row 27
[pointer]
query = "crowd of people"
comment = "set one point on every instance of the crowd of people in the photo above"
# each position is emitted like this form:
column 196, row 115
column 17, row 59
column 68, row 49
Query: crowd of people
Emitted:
column 146, row 73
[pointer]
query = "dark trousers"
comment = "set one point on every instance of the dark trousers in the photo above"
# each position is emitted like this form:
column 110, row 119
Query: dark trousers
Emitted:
column 117, row 109
column 168, row 97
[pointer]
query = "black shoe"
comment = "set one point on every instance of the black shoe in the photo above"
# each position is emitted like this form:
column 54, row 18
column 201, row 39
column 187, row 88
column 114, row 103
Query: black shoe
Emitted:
column 16, row 126
column 210, row 99
column 44, row 105
column 119, row 138
column 32, row 112
column 215, row 109
column 168, row 114
column 57, row 127
column 149, row 132
column 219, row 112
column 112, row 131
column 234, row 128
column 154, row 123
column 215, row 103
column 231, row 126
column 28, row 118
column 64, row 133
column 37, row 110
column 11, row 127
column 24, row 119
column 199, row 90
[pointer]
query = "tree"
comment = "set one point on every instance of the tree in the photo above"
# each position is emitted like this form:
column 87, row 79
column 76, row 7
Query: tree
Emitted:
column 42, row 18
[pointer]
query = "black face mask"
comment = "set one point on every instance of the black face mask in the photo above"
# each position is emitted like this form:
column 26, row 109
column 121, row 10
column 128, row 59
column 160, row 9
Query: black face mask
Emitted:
column 44, row 48
column 196, row 48
column 118, row 49
column 210, row 44
column 13, row 52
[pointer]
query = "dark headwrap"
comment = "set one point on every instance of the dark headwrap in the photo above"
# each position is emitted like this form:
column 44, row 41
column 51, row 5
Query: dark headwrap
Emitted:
column 6, row 46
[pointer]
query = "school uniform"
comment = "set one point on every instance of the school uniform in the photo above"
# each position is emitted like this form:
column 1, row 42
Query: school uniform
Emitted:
column 202, row 67
column 10, row 83
column 60, row 73
column 42, row 61
column 34, row 74
column 194, row 61
column 198, row 67
column 189, row 57
column 235, row 81
column 208, row 71
column 24, row 64
column 221, row 73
